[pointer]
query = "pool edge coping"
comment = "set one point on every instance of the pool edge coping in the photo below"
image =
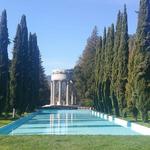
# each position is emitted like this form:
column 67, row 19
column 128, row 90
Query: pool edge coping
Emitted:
column 6, row 129
column 127, row 124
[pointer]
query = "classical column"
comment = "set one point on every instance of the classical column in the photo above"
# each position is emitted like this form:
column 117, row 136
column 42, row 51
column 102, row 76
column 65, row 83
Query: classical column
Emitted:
column 67, row 94
column 51, row 98
column 53, row 92
column 72, row 98
column 75, row 100
column 59, row 96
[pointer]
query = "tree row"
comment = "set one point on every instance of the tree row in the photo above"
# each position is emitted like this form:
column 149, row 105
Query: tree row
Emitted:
column 23, row 84
column 114, row 69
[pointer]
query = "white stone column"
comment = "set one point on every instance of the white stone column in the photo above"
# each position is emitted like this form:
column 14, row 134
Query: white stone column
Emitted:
column 53, row 92
column 75, row 100
column 51, row 98
column 72, row 98
column 59, row 96
column 67, row 94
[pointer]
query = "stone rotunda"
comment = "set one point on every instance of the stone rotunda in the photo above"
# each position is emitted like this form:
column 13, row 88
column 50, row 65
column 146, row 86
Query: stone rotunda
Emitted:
column 62, row 89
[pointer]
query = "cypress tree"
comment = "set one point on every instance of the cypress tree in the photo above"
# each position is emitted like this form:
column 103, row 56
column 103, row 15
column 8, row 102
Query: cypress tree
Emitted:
column 142, row 60
column 4, row 62
column 31, row 84
column 114, row 92
column 16, row 91
column 130, row 95
column 123, row 53
column 108, row 67
column 97, row 99
column 19, row 69
column 37, row 65
column 101, row 86
column 109, row 52
column 25, row 62
column 33, row 74
column 101, row 73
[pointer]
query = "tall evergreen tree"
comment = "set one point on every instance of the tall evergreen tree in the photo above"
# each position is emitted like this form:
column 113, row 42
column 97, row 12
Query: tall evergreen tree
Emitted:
column 31, row 84
column 4, row 63
column 115, row 65
column 130, row 92
column 142, row 60
column 19, row 68
column 103, row 103
column 16, row 91
column 25, row 62
column 86, row 66
column 37, row 65
column 97, row 99
column 123, row 54
column 109, row 54
column 33, row 72
column 89, row 64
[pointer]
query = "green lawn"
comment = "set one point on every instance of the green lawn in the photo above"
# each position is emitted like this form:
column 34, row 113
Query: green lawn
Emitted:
column 74, row 143
column 4, row 122
column 139, row 121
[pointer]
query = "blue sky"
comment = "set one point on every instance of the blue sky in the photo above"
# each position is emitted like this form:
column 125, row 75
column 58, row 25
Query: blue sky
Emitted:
column 63, row 26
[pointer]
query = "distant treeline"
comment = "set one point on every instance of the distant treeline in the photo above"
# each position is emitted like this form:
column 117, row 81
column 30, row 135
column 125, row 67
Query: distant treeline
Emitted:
column 114, row 69
column 23, row 84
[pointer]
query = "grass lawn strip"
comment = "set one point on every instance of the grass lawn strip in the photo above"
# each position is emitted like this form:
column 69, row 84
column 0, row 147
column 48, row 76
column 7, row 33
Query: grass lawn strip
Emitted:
column 74, row 142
